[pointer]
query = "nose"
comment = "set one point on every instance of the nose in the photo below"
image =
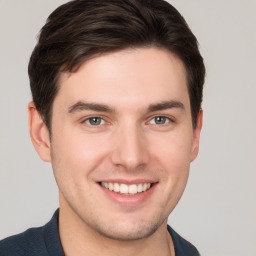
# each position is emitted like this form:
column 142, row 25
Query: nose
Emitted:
column 130, row 148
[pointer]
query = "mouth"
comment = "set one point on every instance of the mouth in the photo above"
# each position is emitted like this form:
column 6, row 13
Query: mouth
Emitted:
column 126, row 189
column 128, row 193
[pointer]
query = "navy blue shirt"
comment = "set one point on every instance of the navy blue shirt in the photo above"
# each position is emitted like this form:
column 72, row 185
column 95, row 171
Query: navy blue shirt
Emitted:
column 45, row 241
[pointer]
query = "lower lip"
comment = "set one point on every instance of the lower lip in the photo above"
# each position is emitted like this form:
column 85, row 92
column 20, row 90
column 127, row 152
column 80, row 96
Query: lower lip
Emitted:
column 129, row 200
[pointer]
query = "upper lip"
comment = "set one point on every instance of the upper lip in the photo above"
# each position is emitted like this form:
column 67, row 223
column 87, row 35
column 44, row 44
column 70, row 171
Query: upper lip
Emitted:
column 128, row 182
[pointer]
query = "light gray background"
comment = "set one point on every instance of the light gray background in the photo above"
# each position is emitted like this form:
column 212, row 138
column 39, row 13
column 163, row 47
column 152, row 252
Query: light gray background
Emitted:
column 218, row 210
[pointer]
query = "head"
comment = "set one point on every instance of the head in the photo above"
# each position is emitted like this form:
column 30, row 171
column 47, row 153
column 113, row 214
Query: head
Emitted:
column 118, row 85
column 80, row 30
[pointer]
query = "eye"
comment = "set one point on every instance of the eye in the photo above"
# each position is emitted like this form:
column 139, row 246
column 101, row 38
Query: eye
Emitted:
column 94, row 121
column 160, row 120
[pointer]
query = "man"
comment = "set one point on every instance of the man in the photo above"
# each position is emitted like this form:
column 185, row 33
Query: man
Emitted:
column 117, row 91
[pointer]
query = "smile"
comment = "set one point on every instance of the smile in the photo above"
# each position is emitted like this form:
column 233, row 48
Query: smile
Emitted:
column 132, row 189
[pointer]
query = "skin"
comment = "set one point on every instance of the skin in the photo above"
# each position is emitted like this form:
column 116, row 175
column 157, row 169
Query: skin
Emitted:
column 127, row 143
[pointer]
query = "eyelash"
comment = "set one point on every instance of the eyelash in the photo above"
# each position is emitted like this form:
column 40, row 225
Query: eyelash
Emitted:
column 164, row 118
column 89, row 120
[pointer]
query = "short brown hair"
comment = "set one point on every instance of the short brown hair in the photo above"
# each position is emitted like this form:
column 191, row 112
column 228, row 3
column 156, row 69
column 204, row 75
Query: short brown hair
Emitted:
column 82, row 29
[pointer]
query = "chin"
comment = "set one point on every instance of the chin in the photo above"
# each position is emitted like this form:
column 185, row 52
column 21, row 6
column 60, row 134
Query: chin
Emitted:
column 128, row 231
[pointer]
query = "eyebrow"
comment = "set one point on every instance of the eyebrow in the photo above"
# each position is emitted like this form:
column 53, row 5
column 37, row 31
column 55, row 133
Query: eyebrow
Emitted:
column 166, row 105
column 80, row 106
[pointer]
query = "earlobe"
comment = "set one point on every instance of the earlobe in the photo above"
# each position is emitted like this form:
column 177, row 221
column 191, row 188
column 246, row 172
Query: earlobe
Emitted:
column 196, row 135
column 39, row 133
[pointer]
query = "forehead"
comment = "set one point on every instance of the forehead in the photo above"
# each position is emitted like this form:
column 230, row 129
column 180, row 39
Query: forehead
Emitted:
column 131, row 76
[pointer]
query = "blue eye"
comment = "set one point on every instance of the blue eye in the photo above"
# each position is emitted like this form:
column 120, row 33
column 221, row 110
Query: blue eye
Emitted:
column 95, row 121
column 159, row 120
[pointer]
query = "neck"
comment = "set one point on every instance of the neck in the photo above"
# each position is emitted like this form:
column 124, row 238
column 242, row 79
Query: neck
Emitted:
column 79, row 239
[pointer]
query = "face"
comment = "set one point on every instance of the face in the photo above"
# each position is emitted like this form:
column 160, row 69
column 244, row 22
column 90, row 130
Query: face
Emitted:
column 122, row 141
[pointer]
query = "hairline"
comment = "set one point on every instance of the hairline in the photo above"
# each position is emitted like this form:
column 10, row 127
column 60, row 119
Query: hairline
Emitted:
column 63, row 69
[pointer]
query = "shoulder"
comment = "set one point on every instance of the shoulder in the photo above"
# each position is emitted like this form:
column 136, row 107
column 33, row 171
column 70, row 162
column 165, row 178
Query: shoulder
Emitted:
column 42, row 241
column 182, row 246
column 28, row 243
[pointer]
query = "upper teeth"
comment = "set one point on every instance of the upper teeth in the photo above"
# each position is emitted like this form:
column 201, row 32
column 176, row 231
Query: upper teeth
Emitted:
column 126, row 189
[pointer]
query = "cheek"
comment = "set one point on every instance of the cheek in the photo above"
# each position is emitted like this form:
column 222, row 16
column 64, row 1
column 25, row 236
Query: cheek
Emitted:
column 76, row 151
column 74, row 159
column 174, row 151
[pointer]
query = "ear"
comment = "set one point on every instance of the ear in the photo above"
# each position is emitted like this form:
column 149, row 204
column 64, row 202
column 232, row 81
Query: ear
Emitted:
column 39, row 133
column 196, row 135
